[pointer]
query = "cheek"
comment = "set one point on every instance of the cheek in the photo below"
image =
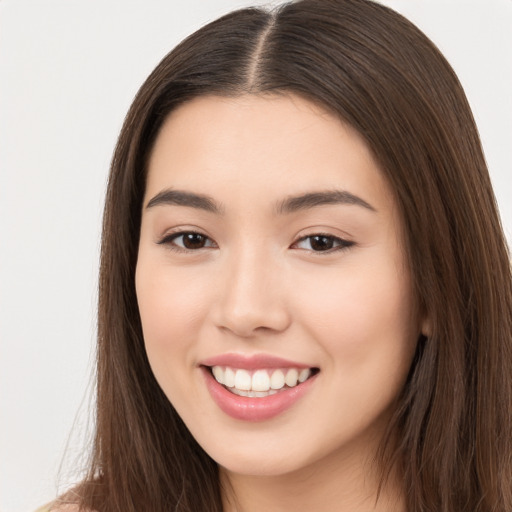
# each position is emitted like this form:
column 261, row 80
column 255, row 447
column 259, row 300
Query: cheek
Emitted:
column 172, row 305
column 360, row 316
column 365, row 325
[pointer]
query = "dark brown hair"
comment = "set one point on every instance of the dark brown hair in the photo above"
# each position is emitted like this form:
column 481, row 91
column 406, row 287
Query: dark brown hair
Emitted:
column 382, row 76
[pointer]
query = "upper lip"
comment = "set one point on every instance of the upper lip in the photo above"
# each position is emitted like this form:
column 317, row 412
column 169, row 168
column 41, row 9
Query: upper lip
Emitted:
column 251, row 362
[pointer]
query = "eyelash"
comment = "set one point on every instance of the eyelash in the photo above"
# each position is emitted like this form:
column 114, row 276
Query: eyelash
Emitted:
column 342, row 244
column 168, row 240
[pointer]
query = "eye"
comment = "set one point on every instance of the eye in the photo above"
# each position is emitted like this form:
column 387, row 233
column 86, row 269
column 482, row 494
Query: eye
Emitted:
column 322, row 243
column 188, row 241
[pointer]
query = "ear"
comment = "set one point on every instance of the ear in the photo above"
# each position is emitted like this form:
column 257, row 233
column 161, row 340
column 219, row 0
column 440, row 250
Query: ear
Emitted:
column 426, row 327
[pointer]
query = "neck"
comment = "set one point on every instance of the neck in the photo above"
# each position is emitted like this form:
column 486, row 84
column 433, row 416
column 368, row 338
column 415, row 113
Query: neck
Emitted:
column 327, row 485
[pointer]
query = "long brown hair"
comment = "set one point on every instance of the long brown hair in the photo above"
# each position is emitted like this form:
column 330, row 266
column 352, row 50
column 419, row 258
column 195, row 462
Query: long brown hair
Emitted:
column 381, row 75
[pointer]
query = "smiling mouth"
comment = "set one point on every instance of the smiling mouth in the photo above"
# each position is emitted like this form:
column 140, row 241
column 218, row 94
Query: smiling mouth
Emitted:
column 261, row 382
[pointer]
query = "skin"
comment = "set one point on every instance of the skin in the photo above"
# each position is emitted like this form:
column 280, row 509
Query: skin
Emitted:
column 257, row 286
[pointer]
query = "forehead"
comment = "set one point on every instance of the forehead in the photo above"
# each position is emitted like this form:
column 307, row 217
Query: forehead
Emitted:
column 260, row 148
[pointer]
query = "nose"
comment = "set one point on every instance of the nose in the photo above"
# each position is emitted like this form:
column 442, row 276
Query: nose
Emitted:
column 252, row 296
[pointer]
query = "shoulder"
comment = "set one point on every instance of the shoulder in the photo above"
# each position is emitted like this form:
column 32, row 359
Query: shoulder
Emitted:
column 69, row 501
column 59, row 507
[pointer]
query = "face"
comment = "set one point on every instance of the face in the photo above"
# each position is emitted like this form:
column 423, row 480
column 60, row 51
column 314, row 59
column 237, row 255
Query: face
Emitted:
column 272, row 285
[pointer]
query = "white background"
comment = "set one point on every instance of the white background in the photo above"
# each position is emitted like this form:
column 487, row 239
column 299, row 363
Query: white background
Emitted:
column 68, row 72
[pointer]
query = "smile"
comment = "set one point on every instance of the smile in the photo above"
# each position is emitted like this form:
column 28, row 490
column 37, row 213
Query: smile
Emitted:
column 256, row 388
column 261, row 382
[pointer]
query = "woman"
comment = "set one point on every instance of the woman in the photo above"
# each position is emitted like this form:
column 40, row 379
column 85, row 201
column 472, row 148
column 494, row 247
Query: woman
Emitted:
column 305, row 292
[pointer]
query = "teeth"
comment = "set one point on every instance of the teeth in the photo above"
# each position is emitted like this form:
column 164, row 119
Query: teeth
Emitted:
column 253, row 394
column 261, row 382
column 291, row 378
column 277, row 380
column 243, row 380
column 218, row 373
column 229, row 377
column 304, row 374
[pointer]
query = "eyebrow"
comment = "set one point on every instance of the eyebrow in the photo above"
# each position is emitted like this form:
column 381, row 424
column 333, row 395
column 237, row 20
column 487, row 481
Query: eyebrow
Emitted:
column 182, row 198
column 321, row 198
column 286, row 206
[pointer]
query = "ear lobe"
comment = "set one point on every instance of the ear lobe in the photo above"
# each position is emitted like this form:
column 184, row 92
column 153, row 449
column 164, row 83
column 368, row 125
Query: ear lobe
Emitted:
column 426, row 327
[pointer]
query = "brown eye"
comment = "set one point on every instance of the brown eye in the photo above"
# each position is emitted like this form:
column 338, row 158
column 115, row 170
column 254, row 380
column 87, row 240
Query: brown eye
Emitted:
column 187, row 240
column 323, row 243
column 193, row 240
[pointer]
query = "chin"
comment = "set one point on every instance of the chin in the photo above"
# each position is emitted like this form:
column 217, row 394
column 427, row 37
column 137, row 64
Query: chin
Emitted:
column 261, row 466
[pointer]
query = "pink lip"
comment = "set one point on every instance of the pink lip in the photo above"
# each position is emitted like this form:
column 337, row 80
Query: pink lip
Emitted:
column 252, row 362
column 255, row 409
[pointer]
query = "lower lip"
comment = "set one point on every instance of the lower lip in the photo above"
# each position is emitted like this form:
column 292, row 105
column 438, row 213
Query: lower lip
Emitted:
column 257, row 408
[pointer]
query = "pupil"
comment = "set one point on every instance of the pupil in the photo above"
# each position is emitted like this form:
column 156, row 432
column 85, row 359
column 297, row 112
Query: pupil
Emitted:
column 193, row 241
column 321, row 243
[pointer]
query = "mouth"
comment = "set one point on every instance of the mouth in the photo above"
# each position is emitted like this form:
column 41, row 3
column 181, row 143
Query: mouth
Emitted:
column 259, row 388
column 262, row 382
